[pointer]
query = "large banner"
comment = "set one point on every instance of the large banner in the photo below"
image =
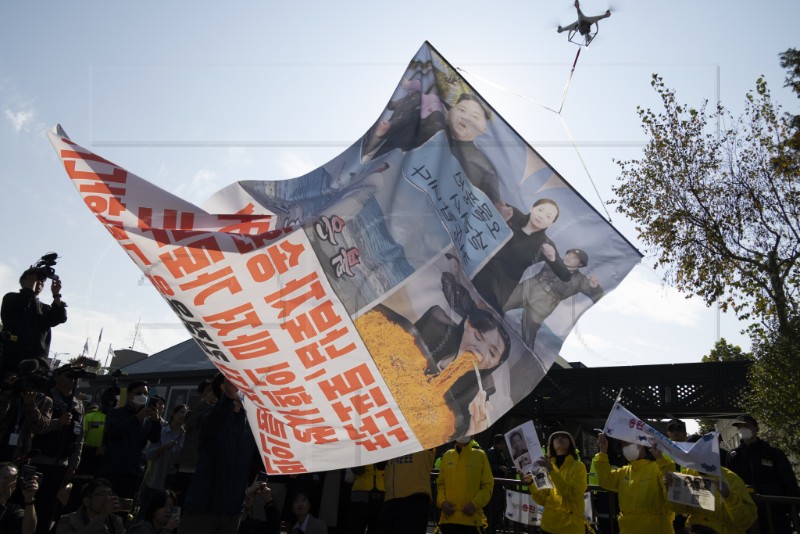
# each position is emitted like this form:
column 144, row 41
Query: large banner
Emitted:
column 409, row 291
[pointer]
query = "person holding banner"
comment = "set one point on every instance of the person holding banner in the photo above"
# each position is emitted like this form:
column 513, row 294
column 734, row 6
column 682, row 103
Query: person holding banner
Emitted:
column 563, row 504
column 464, row 488
column 735, row 510
column 640, row 485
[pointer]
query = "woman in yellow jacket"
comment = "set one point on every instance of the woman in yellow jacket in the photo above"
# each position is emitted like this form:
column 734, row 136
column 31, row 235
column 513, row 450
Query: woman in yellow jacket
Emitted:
column 563, row 505
column 734, row 512
column 640, row 485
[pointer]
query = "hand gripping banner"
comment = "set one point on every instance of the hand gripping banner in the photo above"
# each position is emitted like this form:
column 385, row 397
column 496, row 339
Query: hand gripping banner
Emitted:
column 409, row 291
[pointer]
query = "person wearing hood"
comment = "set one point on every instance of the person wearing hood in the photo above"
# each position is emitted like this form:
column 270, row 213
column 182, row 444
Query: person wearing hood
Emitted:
column 128, row 429
column 640, row 486
column 563, row 504
column 464, row 488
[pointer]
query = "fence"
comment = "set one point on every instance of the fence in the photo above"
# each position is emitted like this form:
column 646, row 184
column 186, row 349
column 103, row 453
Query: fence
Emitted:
column 605, row 510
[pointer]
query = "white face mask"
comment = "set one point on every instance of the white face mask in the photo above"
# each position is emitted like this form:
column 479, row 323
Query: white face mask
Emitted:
column 139, row 400
column 631, row 452
column 745, row 433
column 464, row 440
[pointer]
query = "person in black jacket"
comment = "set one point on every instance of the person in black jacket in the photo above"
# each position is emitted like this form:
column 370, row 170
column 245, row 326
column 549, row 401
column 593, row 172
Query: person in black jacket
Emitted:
column 27, row 321
column 215, row 497
column 767, row 470
column 128, row 429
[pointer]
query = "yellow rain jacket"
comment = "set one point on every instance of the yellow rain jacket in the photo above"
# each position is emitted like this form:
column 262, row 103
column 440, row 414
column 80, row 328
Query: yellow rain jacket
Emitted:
column 464, row 477
column 563, row 505
column 370, row 479
column 732, row 515
column 642, row 495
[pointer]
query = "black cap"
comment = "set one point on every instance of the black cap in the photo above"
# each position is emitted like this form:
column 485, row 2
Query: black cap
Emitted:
column 676, row 424
column 582, row 256
column 499, row 438
column 745, row 419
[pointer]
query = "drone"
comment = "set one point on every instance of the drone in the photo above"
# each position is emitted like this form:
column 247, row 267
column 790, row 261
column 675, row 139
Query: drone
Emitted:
column 585, row 27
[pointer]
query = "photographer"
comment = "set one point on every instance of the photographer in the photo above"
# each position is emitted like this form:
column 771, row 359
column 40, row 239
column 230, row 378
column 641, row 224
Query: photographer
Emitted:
column 13, row 518
column 56, row 450
column 27, row 321
column 24, row 409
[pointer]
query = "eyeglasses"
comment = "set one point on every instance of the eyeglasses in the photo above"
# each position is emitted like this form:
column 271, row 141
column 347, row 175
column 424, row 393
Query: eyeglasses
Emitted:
column 103, row 493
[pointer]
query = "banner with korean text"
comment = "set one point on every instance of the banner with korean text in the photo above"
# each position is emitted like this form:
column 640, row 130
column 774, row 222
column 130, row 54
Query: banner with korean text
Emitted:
column 409, row 291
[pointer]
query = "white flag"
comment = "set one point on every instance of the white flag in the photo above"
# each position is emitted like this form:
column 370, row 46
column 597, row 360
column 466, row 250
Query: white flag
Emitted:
column 521, row 508
column 702, row 455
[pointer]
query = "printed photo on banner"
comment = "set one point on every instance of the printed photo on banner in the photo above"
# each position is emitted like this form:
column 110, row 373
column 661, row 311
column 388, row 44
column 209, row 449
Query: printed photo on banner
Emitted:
column 460, row 356
column 409, row 291
column 700, row 492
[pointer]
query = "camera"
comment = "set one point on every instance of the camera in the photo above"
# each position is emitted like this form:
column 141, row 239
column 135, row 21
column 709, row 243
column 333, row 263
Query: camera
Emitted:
column 44, row 266
column 27, row 473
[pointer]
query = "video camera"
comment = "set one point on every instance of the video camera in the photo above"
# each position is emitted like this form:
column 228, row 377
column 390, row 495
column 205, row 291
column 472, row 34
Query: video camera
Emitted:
column 44, row 266
column 78, row 369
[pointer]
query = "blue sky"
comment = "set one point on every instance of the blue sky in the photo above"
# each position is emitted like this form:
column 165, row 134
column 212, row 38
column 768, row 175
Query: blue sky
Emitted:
column 196, row 95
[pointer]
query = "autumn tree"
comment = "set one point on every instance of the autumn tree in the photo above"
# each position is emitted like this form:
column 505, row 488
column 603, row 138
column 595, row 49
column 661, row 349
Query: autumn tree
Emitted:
column 720, row 216
column 718, row 207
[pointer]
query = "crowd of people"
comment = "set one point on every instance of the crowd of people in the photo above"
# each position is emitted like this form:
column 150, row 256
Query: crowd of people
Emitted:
column 132, row 466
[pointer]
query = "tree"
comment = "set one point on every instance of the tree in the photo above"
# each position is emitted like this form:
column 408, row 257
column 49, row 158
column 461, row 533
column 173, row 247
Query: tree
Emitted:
column 720, row 211
column 725, row 352
column 722, row 352
column 775, row 389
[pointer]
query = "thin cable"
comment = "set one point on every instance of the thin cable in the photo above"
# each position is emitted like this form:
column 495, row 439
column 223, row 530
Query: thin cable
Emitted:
column 561, row 118
column 585, row 168
column 507, row 90
column 569, row 81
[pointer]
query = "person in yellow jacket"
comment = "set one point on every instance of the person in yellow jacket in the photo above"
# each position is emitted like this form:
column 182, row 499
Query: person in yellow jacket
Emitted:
column 640, row 485
column 564, row 504
column 366, row 499
column 464, row 488
column 734, row 512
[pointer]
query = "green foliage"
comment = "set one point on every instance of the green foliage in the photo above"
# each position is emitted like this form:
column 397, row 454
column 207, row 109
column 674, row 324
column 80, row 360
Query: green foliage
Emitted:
column 722, row 352
column 775, row 389
column 725, row 352
column 717, row 213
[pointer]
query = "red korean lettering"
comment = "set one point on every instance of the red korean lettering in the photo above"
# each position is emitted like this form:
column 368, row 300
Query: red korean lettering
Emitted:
column 193, row 257
column 225, row 322
column 318, row 319
column 256, row 345
column 213, row 283
column 312, row 355
column 348, row 382
column 274, row 375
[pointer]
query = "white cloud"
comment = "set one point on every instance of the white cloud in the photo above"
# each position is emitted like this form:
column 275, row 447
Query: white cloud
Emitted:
column 639, row 297
column 20, row 120
column 294, row 165
column 238, row 158
column 200, row 187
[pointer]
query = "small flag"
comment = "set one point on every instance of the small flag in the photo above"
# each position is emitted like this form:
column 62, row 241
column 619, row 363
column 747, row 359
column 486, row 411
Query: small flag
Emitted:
column 85, row 347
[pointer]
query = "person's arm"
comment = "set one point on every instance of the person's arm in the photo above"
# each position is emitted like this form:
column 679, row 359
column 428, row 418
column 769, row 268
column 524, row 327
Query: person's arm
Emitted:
column 75, row 457
column 29, row 498
column 786, row 474
column 606, row 477
column 120, row 422
column 556, row 263
column 37, row 412
column 737, row 504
